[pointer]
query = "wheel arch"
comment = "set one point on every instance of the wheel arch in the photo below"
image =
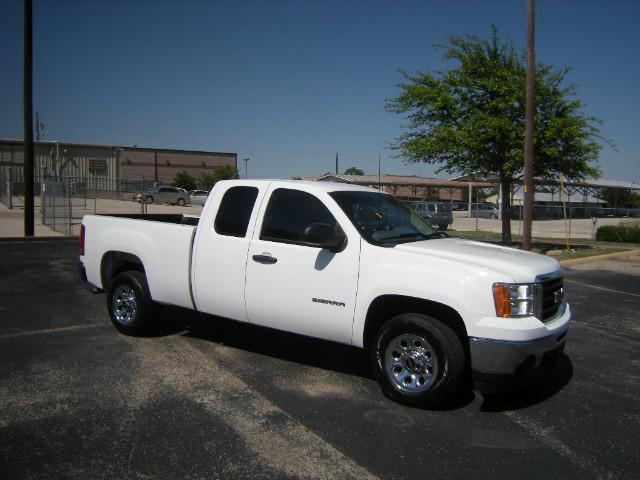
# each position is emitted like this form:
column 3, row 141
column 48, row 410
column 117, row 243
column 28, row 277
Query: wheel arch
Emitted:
column 386, row 307
column 114, row 262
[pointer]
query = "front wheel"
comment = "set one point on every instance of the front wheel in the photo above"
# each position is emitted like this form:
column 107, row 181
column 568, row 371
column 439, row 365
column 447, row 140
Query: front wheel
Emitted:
column 418, row 360
column 180, row 202
column 148, row 199
column 130, row 306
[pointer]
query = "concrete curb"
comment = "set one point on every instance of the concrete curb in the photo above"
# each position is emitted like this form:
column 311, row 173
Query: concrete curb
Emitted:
column 575, row 261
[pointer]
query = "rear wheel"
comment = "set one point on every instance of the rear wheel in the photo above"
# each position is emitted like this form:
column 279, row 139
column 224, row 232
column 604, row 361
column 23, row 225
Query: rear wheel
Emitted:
column 130, row 306
column 418, row 360
column 148, row 199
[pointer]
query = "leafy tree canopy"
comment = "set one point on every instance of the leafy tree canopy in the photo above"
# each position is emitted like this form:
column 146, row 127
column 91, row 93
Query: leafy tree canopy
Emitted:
column 184, row 180
column 471, row 118
column 620, row 198
column 222, row 172
column 353, row 171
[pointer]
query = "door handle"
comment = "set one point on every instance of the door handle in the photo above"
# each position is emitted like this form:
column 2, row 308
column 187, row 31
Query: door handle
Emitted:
column 266, row 259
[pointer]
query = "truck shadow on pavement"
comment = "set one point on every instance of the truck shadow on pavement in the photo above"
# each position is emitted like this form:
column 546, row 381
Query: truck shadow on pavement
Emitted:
column 543, row 388
column 266, row 341
column 340, row 358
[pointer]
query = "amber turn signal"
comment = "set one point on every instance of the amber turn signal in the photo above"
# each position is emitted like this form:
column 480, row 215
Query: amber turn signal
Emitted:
column 502, row 299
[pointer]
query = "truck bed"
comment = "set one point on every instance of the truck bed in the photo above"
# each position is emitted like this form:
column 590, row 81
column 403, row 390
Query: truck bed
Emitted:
column 162, row 243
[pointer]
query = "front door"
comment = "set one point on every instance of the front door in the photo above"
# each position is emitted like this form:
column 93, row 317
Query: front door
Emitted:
column 295, row 287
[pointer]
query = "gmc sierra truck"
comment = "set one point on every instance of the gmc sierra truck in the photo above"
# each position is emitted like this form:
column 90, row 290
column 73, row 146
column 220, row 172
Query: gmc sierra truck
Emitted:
column 343, row 263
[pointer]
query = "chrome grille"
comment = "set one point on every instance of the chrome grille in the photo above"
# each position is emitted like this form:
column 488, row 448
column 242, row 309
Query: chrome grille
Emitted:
column 552, row 296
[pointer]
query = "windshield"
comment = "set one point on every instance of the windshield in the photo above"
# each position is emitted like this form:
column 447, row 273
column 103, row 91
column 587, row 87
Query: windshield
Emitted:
column 383, row 220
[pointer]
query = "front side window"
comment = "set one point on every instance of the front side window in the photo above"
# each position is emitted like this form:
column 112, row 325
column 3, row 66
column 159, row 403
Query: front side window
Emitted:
column 383, row 220
column 290, row 212
column 235, row 210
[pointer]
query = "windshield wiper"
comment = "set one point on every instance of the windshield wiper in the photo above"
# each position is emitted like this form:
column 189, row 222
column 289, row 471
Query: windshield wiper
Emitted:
column 405, row 236
column 436, row 234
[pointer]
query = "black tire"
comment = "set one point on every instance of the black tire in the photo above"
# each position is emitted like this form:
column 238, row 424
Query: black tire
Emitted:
column 418, row 360
column 493, row 216
column 180, row 202
column 129, row 303
column 148, row 199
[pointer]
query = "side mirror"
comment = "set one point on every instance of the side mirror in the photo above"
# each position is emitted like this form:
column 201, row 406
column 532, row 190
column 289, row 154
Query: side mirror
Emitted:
column 323, row 235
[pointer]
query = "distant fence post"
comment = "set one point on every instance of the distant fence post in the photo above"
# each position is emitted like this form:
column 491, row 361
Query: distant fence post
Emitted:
column 10, row 189
column 54, row 210
column 43, row 201
column 69, row 211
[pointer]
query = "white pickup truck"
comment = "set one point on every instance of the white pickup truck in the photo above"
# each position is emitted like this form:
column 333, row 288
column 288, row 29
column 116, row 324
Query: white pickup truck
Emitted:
column 343, row 263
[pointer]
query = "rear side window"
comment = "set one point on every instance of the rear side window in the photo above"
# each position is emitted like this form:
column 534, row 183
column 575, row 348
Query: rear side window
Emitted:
column 235, row 211
column 288, row 214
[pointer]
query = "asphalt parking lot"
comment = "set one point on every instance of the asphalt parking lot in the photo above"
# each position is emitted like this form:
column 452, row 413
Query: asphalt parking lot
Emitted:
column 215, row 399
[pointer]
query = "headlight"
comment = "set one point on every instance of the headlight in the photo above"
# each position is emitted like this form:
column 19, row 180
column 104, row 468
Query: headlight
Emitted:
column 518, row 299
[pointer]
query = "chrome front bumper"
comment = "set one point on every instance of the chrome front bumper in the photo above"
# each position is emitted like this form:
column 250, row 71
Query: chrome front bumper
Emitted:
column 509, row 363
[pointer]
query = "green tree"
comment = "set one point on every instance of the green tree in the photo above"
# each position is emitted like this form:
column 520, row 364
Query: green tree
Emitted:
column 620, row 198
column 471, row 118
column 353, row 171
column 184, row 180
column 221, row 172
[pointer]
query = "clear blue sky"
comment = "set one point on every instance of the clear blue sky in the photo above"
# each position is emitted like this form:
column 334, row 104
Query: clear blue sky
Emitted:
column 290, row 83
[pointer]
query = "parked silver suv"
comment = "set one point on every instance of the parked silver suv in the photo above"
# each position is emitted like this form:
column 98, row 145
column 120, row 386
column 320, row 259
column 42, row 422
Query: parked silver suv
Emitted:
column 484, row 210
column 164, row 194
column 436, row 213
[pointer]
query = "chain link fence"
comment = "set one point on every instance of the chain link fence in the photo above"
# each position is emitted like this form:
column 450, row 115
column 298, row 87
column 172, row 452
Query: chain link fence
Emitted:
column 61, row 202
column 558, row 212
column 56, row 206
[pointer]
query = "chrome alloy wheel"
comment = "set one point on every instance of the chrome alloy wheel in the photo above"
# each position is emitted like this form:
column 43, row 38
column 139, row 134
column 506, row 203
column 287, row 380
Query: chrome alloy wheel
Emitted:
column 410, row 363
column 124, row 305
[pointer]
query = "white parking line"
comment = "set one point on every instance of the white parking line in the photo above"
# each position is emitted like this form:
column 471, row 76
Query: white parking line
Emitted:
column 601, row 288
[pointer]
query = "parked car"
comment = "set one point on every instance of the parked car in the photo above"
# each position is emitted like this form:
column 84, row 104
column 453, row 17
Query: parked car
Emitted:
column 198, row 197
column 459, row 206
column 436, row 213
column 164, row 194
column 484, row 210
column 343, row 263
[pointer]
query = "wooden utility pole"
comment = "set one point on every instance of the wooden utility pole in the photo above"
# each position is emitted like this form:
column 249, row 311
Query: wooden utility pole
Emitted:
column 28, row 121
column 529, row 127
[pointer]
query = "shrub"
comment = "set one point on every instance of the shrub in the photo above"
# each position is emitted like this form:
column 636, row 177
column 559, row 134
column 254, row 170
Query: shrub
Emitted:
column 184, row 180
column 619, row 233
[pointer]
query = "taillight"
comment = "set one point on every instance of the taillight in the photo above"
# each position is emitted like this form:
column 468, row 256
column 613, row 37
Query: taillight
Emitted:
column 82, row 240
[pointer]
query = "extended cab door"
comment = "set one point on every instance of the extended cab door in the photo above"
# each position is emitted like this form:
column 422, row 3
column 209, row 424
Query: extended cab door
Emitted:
column 295, row 287
column 221, row 247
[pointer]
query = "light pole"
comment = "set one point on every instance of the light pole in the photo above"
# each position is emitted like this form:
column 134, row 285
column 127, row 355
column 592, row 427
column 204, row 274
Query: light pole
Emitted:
column 246, row 168
column 529, row 195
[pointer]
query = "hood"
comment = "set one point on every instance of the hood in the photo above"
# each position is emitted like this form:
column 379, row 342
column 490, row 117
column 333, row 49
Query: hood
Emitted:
column 521, row 265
